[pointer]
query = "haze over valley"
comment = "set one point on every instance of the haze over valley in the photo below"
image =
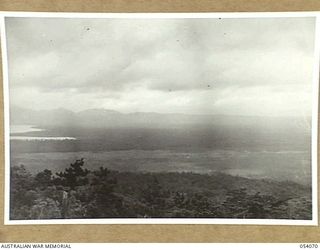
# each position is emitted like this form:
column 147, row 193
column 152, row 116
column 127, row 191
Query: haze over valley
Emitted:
column 256, row 147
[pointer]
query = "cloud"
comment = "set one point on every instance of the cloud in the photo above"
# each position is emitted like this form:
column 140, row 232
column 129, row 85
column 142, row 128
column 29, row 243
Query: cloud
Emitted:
column 186, row 65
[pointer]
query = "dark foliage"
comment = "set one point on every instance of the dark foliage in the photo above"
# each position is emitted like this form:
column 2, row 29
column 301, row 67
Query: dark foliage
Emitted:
column 44, row 178
column 80, row 193
column 73, row 176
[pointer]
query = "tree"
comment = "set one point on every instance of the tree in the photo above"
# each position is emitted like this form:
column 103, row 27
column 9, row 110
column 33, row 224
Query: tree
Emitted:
column 236, row 204
column 73, row 176
column 45, row 208
column 179, row 199
column 44, row 178
column 200, row 204
column 22, row 194
column 154, row 196
column 105, row 203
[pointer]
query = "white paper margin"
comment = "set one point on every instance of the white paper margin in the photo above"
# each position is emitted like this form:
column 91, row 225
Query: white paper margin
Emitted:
column 315, row 91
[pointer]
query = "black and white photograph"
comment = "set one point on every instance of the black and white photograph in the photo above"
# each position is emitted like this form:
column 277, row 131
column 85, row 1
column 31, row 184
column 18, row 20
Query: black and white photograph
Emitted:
column 175, row 119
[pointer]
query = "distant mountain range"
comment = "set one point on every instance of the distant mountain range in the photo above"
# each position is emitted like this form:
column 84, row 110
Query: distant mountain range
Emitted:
column 104, row 118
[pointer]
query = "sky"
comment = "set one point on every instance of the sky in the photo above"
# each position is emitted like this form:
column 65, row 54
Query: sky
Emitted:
column 248, row 66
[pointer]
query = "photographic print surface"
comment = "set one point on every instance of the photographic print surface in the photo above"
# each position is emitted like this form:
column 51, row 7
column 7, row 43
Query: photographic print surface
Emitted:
column 160, row 118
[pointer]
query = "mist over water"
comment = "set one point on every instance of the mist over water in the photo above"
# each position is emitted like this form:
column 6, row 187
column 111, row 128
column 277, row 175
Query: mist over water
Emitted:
column 17, row 133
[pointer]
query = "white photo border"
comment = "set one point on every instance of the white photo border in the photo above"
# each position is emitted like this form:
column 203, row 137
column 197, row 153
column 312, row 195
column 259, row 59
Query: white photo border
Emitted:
column 224, row 221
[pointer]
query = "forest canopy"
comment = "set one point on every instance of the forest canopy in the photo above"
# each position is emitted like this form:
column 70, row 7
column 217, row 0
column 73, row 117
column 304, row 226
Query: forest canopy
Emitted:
column 79, row 193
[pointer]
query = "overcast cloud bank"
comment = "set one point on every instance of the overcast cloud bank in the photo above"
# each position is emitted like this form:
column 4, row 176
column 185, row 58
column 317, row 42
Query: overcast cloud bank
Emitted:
column 209, row 66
